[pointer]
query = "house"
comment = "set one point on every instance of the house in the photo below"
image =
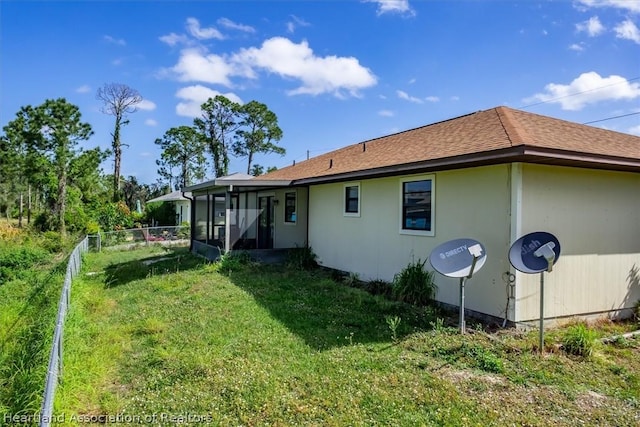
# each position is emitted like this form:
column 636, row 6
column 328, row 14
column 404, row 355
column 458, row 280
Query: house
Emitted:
column 493, row 176
column 181, row 202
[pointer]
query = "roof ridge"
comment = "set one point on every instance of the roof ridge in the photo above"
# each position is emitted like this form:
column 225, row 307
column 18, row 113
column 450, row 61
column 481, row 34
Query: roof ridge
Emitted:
column 515, row 133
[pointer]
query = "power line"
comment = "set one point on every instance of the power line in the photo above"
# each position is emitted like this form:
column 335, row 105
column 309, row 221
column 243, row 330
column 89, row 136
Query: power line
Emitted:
column 611, row 118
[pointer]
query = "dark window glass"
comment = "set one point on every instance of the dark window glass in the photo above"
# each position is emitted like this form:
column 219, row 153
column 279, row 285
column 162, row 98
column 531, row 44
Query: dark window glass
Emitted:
column 351, row 199
column 290, row 207
column 416, row 205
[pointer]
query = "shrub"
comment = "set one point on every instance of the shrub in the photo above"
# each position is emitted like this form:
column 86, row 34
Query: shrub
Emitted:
column 414, row 284
column 14, row 260
column 579, row 340
column 302, row 258
column 233, row 261
column 53, row 241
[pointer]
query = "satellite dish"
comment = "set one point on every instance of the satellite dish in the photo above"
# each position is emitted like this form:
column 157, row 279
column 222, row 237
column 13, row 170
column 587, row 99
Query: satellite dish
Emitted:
column 455, row 257
column 529, row 254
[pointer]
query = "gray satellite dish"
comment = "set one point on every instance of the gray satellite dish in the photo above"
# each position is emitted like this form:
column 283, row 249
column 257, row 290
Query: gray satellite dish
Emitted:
column 459, row 258
column 536, row 253
column 455, row 258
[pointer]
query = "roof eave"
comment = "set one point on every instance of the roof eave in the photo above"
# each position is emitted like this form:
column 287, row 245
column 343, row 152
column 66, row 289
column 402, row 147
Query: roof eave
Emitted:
column 224, row 184
column 521, row 153
column 256, row 183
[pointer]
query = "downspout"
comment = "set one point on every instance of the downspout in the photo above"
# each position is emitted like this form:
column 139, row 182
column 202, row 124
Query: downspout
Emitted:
column 227, row 220
column 308, row 198
column 206, row 240
column 192, row 216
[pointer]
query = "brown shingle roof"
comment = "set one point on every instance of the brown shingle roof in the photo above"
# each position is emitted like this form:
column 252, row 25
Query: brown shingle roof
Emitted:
column 501, row 134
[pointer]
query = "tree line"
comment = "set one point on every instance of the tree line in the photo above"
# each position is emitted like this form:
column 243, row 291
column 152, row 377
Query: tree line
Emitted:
column 224, row 129
column 44, row 169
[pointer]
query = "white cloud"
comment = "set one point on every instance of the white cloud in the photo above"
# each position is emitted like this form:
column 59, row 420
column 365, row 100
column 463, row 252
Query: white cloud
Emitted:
column 84, row 89
column 151, row 122
column 329, row 74
column 588, row 88
column 386, row 113
column 193, row 26
column 196, row 65
column 146, row 105
column 630, row 5
column 404, row 95
column 455, row 98
column 116, row 62
column 173, row 39
column 113, row 40
column 432, row 99
column 593, row 27
column 627, row 30
column 578, row 47
column 635, row 130
column 296, row 22
column 393, row 6
column 194, row 96
column 227, row 23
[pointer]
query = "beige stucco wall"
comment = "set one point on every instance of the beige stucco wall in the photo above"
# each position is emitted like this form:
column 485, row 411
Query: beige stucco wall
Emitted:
column 291, row 235
column 596, row 217
column 472, row 203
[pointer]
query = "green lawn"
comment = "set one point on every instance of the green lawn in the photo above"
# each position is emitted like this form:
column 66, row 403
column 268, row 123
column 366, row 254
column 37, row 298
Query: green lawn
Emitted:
column 262, row 345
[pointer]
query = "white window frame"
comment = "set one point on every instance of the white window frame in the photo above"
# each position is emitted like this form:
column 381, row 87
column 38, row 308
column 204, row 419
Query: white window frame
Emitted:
column 344, row 199
column 402, row 230
column 295, row 209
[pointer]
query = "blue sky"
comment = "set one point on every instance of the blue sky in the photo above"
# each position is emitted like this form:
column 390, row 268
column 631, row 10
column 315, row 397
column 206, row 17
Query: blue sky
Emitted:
column 334, row 72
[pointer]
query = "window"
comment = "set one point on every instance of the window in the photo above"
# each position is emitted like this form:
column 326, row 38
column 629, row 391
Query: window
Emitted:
column 290, row 208
column 417, row 206
column 352, row 200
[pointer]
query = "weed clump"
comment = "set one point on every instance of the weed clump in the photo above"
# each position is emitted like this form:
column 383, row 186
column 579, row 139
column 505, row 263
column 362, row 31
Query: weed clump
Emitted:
column 233, row 261
column 579, row 340
column 414, row 284
column 302, row 258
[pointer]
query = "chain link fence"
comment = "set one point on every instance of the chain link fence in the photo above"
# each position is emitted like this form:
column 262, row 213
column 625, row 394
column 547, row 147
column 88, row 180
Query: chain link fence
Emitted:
column 54, row 370
column 146, row 236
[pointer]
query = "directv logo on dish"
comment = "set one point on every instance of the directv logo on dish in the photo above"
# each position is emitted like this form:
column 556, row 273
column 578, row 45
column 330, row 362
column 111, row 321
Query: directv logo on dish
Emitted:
column 452, row 252
column 535, row 244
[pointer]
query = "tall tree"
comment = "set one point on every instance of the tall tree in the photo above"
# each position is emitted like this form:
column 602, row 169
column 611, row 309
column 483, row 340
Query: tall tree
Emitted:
column 51, row 132
column 118, row 100
column 258, row 133
column 218, row 126
column 183, row 147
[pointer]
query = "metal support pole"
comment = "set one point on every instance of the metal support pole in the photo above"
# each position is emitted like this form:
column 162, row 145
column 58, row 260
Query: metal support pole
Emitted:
column 461, row 321
column 541, row 343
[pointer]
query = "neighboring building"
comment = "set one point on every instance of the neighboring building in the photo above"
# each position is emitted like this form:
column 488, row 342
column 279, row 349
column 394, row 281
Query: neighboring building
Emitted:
column 181, row 203
column 495, row 175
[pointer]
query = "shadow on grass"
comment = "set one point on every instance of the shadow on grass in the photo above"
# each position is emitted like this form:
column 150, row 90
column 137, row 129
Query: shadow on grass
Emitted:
column 171, row 261
column 328, row 314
